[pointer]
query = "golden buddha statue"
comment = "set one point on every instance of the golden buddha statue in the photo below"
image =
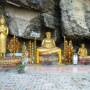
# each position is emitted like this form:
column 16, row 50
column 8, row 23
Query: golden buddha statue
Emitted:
column 30, row 48
column 65, row 47
column 82, row 51
column 48, row 42
column 48, row 47
column 3, row 36
column 71, row 47
column 70, row 51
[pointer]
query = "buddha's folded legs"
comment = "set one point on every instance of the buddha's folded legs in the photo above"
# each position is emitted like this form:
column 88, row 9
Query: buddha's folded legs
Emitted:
column 49, row 51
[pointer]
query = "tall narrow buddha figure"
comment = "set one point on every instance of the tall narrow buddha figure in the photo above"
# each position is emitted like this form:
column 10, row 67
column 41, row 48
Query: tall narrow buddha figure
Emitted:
column 65, row 48
column 70, row 51
column 3, row 36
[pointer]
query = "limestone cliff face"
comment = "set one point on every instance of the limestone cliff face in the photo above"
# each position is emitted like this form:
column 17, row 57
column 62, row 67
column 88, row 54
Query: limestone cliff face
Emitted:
column 40, row 5
column 74, row 17
column 29, row 18
column 20, row 21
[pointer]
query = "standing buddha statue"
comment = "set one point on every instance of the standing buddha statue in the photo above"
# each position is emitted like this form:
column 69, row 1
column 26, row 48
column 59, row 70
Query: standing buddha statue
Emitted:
column 30, row 48
column 70, row 51
column 65, row 48
column 3, row 36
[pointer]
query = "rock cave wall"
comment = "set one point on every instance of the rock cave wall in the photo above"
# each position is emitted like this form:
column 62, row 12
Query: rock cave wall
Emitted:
column 74, row 17
column 28, row 18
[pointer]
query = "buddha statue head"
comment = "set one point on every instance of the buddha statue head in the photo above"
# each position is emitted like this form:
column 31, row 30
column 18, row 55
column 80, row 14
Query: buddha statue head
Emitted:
column 48, row 35
column 2, row 20
column 82, row 45
column 66, row 42
column 70, row 43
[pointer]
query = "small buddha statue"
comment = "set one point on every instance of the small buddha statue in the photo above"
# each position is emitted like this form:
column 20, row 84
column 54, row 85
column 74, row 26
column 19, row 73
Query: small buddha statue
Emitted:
column 82, row 51
column 48, row 47
column 3, row 36
column 70, row 51
column 71, row 47
column 30, row 48
column 65, row 47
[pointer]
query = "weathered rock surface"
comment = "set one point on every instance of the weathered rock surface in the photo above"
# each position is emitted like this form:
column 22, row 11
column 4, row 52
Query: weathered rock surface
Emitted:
column 19, row 20
column 30, row 18
column 29, row 23
column 41, row 5
column 74, row 17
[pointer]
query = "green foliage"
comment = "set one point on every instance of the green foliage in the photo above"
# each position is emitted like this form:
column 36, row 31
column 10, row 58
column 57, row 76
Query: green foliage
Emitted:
column 20, row 67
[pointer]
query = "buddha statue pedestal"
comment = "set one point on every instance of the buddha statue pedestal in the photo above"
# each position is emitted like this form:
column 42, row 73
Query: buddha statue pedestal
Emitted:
column 42, row 51
column 84, row 60
column 9, row 62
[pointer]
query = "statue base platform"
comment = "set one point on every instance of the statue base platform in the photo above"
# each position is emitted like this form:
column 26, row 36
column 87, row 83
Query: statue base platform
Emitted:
column 84, row 60
column 9, row 60
column 49, row 57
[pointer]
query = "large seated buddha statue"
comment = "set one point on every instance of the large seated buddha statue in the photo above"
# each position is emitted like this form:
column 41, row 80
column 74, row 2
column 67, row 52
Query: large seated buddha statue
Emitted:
column 48, row 47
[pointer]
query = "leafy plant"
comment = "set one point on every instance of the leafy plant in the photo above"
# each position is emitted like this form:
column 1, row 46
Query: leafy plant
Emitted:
column 20, row 67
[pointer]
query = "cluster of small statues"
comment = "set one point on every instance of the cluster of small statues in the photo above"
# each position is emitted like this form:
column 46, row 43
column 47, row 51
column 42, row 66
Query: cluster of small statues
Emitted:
column 14, row 45
column 68, row 50
column 47, row 47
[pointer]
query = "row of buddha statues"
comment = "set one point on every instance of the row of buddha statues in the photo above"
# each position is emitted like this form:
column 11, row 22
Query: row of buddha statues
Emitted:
column 48, row 45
